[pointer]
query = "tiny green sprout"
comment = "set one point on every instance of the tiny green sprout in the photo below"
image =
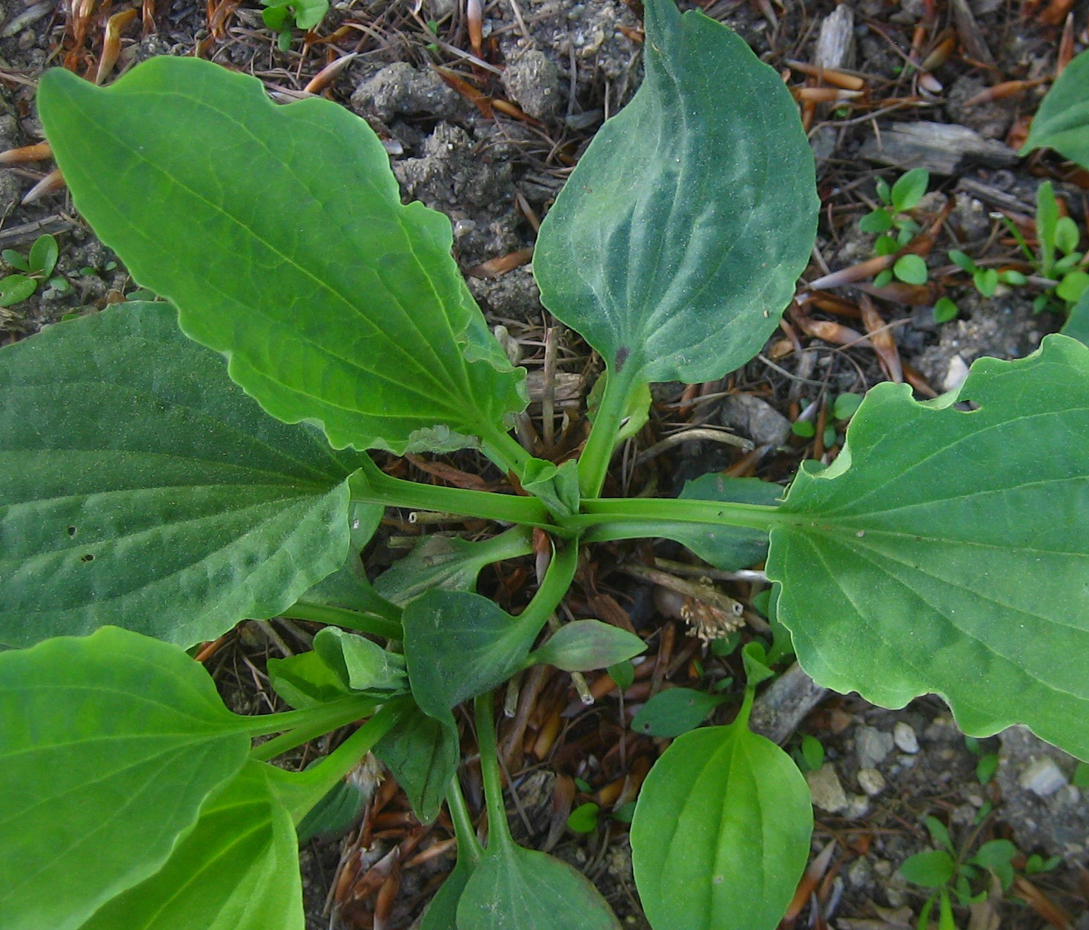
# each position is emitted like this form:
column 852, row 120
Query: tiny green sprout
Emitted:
column 33, row 268
column 803, row 428
column 584, row 818
column 1035, row 864
column 810, row 754
column 986, row 280
column 282, row 15
column 986, row 767
column 911, row 269
column 845, row 406
column 945, row 310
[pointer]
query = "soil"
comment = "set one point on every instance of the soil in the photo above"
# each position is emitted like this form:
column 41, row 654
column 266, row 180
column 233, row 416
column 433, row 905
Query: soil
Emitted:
column 487, row 136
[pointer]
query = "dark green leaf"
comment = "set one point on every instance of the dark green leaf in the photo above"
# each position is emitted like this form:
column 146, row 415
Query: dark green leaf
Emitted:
column 728, row 548
column 676, row 711
column 986, row 281
column 436, row 561
column 459, row 645
column 997, row 855
column 584, row 818
column 623, row 673
column 812, row 752
column 237, row 870
column 423, row 755
column 674, row 264
column 108, row 747
column 140, row 487
column 904, row 572
column 588, row 644
column 721, row 832
column 939, row 834
column 930, row 869
column 334, row 813
column 515, row 887
column 1062, row 122
column 278, row 17
column 335, row 304
column 945, row 310
column 16, row 259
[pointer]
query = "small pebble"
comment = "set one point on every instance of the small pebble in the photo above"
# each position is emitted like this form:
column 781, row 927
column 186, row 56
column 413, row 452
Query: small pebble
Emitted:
column 871, row 781
column 872, row 746
column 858, row 806
column 904, row 737
column 827, row 792
column 1043, row 778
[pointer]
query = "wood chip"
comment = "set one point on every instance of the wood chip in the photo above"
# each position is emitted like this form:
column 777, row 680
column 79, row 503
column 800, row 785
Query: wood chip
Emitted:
column 941, row 148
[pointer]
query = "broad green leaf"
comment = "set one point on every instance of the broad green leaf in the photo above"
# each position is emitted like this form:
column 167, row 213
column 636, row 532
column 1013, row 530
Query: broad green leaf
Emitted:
column 459, row 645
column 588, row 644
column 423, row 755
column 140, row 487
column 932, row 868
column 515, row 887
column 1062, row 121
column 360, row 664
column 279, row 234
column 721, row 832
column 727, row 547
column 304, row 680
column 1077, row 323
column 441, row 913
column 108, row 747
column 675, row 244
column 237, row 870
column 944, row 550
column 676, row 711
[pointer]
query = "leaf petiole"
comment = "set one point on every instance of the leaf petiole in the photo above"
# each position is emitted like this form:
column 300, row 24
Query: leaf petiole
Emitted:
column 498, row 828
column 598, row 451
column 464, row 830
column 622, row 518
column 385, row 620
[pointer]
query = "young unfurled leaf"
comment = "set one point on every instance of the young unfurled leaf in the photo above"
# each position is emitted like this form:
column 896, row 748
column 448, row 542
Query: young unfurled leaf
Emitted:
column 1062, row 121
column 360, row 664
column 304, row 680
column 140, row 487
column 109, row 746
column 721, row 832
column 237, row 870
column 673, row 264
column 334, row 303
column 515, row 887
column 903, row 565
column 588, row 644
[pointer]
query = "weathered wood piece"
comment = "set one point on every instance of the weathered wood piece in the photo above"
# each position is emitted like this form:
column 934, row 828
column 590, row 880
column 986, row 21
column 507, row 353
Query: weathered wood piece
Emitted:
column 777, row 712
column 941, row 148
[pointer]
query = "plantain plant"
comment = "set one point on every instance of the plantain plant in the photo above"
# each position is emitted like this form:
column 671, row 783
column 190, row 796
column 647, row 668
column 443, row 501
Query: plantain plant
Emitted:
column 169, row 468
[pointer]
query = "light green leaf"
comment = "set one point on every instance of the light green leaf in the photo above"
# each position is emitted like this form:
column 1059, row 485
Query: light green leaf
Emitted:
column 675, row 711
column 914, row 563
column 334, row 303
column 728, row 548
column 1077, row 323
column 721, row 832
column 1072, row 286
column 1062, row 121
column 43, row 255
column 1067, row 235
column 910, row 269
column 675, row 244
column 360, row 664
column 877, row 221
column 16, row 288
column 459, row 645
column 588, row 644
column 932, row 868
column 140, row 487
column 523, row 888
column 108, row 747
column 304, row 680
column 909, row 189
column 556, row 485
column 423, row 755
column 237, row 870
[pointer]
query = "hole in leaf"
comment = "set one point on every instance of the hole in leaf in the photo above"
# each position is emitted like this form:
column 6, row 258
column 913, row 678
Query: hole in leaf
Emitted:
column 71, row 531
column 966, row 406
column 87, row 558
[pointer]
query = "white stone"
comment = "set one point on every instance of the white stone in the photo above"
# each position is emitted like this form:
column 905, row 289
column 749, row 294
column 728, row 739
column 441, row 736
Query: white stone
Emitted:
column 872, row 746
column 1043, row 777
column 904, row 737
column 827, row 792
column 871, row 781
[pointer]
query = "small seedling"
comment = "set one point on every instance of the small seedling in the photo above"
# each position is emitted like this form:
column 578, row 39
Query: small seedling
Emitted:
column 32, row 270
column 281, row 16
column 895, row 228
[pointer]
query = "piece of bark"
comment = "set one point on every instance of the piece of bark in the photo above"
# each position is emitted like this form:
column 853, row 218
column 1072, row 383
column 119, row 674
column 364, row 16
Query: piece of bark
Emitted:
column 836, row 44
column 777, row 713
column 941, row 148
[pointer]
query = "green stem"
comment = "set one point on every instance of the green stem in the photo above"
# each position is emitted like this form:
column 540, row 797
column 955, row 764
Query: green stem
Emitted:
column 309, row 730
column 554, row 586
column 300, row 791
column 330, row 716
column 498, row 828
column 387, row 625
column 658, row 513
column 468, row 844
column 371, row 485
column 505, row 451
column 598, row 451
